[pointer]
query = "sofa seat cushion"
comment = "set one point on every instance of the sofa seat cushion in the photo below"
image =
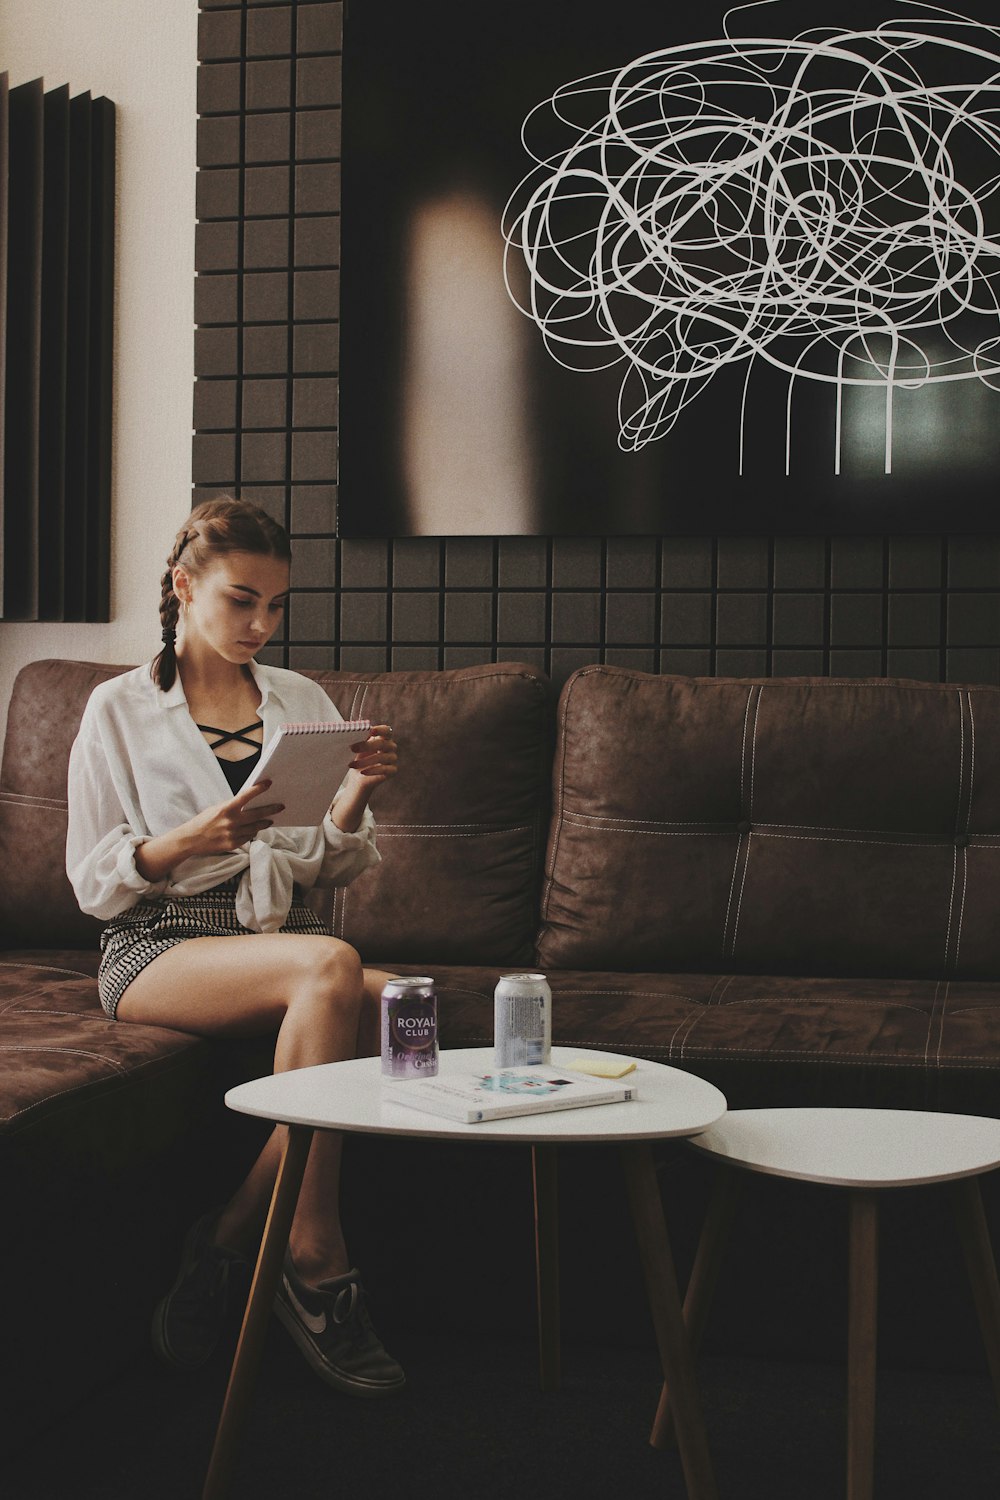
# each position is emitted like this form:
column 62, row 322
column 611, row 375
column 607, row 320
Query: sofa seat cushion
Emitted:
column 770, row 1040
column 78, row 1092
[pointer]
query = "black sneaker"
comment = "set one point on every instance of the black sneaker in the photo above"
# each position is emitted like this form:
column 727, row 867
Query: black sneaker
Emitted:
column 331, row 1326
column 188, row 1321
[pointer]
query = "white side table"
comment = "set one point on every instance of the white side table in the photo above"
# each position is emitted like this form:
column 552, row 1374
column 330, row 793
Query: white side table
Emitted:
column 347, row 1096
column 866, row 1151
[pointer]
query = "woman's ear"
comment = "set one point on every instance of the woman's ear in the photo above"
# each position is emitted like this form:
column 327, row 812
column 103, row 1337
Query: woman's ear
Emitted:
column 182, row 584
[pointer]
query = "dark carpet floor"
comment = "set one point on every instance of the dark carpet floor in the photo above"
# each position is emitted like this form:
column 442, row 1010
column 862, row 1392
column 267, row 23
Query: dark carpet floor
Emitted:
column 473, row 1425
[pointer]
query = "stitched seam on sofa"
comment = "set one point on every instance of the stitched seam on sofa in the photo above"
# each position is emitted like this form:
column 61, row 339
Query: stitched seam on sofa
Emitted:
column 49, row 969
column 646, row 826
column 961, row 904
column 968, row 820
column 30, row 799
column 825, row 1059
column 743, row 747
column 826, row 839
column 68, row 1052
column 28, row 1010
column 739, row 906
column 972, row 761
column 746, row 804
column 16, row 1005
column 958, row 822
column 715, row 998
column 688, row 1020
column 867, row 1005
column 600, row 820
column 761, row 830
column 944, row 1007
column 493, row 676
column 557, row 811
column 481, row 827
column 753, row 750
column 639, row 994
column 489, row 834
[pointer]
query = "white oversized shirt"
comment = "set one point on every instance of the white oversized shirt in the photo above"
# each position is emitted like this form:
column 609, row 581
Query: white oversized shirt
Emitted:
column 140, row 767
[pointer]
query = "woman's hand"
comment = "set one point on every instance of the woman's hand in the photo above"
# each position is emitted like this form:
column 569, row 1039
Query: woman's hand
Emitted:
column 223, row 829
column 375, row 761
column 218, row 830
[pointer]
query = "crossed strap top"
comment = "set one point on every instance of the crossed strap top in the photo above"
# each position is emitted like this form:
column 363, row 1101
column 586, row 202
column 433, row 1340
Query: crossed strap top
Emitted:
column 236, row 772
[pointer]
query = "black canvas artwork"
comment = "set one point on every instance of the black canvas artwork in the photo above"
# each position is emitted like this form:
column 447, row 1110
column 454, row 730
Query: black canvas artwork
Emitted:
column 638, row 270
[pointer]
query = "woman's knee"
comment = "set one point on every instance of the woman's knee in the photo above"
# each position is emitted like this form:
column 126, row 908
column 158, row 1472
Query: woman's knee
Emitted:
column 328, row 969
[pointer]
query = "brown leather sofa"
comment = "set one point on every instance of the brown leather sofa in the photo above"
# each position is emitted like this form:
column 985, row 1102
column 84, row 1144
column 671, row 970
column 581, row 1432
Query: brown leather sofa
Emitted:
column 787, row 886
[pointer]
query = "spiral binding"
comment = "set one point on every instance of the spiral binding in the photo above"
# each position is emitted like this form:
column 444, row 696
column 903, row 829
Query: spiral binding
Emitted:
column 343, row 726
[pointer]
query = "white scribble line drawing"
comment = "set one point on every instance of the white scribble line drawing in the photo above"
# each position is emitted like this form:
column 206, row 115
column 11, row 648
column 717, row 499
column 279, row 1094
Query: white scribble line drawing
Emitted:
column 827, row 203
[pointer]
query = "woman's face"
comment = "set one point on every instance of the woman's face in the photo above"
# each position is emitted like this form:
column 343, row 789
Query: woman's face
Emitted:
column 233, row 606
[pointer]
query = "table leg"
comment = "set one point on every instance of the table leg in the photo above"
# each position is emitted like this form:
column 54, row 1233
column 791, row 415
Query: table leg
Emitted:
column 698, row 1297
column 258, row 1310
column 861, row 1344
column 668, row 1320
column 544, row 1177
column 982, row 1268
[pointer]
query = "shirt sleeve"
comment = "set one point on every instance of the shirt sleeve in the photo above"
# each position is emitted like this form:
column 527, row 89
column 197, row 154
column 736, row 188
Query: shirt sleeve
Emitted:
column 347, row 854
column 100, row 844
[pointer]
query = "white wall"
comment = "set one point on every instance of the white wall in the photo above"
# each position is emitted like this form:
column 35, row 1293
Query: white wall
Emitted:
column 142, row 54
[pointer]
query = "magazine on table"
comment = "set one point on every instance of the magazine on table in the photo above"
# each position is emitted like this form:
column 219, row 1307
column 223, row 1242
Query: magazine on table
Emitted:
column 494, row 1093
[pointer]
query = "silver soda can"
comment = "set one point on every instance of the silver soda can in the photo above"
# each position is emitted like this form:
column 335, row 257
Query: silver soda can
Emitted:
column 522, row 1021
column 409, row 1028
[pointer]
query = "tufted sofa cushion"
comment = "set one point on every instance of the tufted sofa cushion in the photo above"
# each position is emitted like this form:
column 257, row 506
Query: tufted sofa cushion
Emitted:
column 809, row 826
column 462, row 828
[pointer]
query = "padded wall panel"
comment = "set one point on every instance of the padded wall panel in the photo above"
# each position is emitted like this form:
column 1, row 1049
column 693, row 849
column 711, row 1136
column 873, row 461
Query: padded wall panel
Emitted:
column 57, row 163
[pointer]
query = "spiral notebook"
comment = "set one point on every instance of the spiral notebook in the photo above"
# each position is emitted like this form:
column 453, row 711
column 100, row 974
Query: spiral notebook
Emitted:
column 306, row 764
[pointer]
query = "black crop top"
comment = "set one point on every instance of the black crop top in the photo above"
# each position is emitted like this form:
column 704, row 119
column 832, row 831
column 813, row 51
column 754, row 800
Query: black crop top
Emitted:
column 236, row 772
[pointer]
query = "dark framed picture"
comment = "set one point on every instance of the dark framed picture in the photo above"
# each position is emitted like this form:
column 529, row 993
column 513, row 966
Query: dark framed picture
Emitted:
column 659, row 270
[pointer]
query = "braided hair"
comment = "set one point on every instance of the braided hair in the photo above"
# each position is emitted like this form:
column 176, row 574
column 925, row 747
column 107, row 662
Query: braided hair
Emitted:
column 214, row 528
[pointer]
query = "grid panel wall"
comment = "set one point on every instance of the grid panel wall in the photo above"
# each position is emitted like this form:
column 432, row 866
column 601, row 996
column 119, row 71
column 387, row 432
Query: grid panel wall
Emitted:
column 265, row 404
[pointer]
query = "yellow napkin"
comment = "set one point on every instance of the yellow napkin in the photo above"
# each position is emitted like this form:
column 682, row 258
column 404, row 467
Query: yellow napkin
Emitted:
column 602, row 1067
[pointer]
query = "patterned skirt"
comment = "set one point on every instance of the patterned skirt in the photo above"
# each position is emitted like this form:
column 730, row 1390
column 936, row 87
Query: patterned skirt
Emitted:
column 133, row 939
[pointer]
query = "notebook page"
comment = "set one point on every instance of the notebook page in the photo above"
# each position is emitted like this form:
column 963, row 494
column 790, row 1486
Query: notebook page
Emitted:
column 306, row 764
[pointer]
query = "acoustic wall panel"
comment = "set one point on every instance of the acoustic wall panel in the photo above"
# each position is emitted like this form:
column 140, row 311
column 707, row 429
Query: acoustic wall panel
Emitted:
column 98, row 507
column 57, row 168
column 4, row 199
column 23, row 317
column 78, row 325
column 52, row 358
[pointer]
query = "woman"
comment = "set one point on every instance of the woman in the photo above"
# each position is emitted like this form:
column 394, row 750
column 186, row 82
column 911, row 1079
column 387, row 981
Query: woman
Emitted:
column 178, row 863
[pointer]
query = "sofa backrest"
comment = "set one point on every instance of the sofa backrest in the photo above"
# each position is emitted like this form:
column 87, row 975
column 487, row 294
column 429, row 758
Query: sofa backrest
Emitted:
column 462, row 828
column 37, row 905
column 785, row 826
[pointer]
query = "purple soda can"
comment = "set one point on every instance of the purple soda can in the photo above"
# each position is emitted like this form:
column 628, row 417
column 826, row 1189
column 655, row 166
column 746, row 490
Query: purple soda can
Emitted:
column 409, row 1028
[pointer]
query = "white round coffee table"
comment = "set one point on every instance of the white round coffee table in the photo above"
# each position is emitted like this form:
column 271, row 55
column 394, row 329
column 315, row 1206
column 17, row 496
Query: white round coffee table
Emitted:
column 866, row 1151
column 347, row 1096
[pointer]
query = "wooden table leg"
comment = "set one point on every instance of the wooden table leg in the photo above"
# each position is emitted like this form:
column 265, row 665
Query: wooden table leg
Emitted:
column 861, row 1345
column 544, row 1175
column 979, row 1259
column 668, row 1320
column 704, row 1273
column 246, row 1362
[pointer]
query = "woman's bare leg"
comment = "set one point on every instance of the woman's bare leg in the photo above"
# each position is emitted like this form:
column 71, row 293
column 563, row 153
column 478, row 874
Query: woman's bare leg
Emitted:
column 313, row 991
